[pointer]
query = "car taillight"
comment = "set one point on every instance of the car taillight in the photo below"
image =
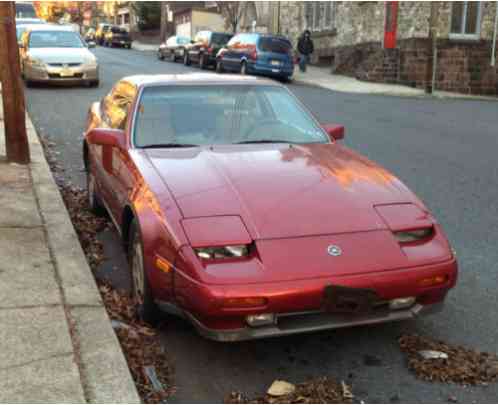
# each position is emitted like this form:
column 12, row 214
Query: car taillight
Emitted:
column 254, row 55
column 210, row 50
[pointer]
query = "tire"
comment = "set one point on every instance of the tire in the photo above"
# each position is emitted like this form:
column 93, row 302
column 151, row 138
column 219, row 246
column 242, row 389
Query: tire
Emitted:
column 219, row 67
column 243, row 68
column 93, row 83
column 94, row 201
column 186, row 59
column 160, row 55
column 146, row 308
column 202, row 62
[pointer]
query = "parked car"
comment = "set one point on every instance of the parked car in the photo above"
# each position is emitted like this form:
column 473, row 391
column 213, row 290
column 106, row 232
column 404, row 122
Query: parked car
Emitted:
column 23, row 23
column 254, row 53
column 204, row 48
column 173, row 48
column 101, row 31
column 117, row 36
column 251, row 220
column 56, row 54
column 90, row 38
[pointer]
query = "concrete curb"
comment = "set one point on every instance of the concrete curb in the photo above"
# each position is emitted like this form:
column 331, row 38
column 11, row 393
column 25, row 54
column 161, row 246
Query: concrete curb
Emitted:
column 103, row 369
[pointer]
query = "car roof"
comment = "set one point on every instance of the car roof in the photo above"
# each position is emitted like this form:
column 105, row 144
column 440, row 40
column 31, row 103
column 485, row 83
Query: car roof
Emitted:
column 197, row 78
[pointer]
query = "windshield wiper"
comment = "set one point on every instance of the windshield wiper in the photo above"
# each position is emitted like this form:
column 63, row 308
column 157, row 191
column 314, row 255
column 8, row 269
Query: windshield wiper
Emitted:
column 169, row 145
column 263, row 141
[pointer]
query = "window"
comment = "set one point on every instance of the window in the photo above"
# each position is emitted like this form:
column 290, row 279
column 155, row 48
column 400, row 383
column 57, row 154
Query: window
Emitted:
column 465, row 19
column 223, row 115
column 55, row 39
column 320, row 15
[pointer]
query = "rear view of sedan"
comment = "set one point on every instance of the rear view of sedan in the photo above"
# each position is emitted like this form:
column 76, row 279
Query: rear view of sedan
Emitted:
column 249, row 219
column 53, row 54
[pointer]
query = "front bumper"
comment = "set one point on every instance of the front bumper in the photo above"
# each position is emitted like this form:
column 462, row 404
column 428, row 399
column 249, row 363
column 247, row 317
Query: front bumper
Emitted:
column 273, row 71
column 288, row 324
column 81, row 73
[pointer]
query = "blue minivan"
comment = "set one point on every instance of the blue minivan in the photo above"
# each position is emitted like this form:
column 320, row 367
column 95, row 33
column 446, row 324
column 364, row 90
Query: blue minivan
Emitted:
column 254, row 53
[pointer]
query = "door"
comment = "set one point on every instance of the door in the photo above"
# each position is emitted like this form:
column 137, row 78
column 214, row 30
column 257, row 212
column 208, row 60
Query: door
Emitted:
column 391, row 24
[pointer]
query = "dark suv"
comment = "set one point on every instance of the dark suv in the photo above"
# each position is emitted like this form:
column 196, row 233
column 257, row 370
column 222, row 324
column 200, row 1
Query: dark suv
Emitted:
column 117, row 36
column 204, row 48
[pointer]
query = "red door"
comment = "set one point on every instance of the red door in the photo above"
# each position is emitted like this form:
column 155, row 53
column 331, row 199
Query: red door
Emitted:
column 391, row 24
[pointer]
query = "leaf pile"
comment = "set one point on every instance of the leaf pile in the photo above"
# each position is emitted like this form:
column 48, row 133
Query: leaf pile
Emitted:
column 322, row 390
column 463, row 366
column 140, row 344
column 87, row 225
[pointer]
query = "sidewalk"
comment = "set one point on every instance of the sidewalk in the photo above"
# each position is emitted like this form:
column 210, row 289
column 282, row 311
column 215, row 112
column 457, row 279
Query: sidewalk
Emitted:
column 56, row 341
column 321, row 77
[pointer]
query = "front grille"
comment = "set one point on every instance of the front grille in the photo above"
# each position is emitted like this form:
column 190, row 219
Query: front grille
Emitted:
column 64, row 64
column 58, row 76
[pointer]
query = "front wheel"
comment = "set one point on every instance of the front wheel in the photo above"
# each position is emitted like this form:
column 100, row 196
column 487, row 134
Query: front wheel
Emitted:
column 202, row 62
column 186, row 59
column 146, row 308
column 243, row 68
column 160, row 55
column 94, row 201
column 219, row 67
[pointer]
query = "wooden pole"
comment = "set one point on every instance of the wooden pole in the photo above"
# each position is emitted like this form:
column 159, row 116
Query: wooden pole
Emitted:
column 14, row 111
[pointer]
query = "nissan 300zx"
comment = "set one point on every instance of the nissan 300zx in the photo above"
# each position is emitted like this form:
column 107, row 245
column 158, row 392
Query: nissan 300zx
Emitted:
column 245, row 216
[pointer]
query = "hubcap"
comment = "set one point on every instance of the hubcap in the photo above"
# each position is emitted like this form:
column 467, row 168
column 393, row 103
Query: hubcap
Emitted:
column 138, row 273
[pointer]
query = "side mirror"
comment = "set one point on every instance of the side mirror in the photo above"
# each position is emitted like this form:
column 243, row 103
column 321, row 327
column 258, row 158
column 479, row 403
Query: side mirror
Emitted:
column 106, row 137
column 21, row 45
column 336, row 132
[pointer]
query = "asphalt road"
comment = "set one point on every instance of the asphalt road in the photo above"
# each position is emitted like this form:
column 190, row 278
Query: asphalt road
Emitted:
column 445, row 150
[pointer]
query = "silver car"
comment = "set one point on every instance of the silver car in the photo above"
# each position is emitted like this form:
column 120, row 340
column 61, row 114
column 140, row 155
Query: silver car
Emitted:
column 51, row 53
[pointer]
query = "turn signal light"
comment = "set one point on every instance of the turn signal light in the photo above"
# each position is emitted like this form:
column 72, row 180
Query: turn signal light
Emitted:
column 431, row 281
column 245, row 302
column 163, row 265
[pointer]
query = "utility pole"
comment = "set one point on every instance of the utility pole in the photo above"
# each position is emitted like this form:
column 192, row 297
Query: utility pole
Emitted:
column 16, row 140
column 164, row 21
column 430, row 76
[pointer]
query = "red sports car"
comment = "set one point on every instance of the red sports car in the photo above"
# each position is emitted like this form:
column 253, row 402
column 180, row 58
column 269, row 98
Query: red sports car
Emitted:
column 245, row 216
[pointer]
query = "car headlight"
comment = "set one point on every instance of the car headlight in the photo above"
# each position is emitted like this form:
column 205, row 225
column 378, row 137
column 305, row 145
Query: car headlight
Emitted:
column 222, row 252
column 35, row 62
column 414, row 235
column 91, row 63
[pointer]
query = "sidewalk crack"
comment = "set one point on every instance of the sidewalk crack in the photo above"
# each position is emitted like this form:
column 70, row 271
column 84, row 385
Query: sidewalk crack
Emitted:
column 55, row 356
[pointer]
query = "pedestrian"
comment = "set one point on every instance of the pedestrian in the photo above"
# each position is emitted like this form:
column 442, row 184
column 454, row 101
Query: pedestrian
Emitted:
column 305, row 48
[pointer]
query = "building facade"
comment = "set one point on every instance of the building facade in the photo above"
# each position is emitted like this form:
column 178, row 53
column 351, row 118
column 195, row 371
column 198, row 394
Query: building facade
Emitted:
column 391, row 41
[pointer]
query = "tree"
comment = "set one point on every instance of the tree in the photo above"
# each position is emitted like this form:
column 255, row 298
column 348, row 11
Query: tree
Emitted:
column 148, row 14
column 231, row 11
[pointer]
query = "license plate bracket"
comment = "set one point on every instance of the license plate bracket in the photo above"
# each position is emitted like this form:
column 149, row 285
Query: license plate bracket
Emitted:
column 275, row 63
column 347, row 300
column 66, row 72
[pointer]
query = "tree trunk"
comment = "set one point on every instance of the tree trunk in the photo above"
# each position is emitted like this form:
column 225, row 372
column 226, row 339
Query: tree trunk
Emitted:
column 16, row 140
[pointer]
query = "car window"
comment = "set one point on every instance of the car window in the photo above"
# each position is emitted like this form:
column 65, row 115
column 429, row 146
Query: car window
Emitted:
column 55, row 39
column 183, row 40
column 220, row 39
column 116, row 105
column 273, row 44
column 223, row 115
column 234, row 40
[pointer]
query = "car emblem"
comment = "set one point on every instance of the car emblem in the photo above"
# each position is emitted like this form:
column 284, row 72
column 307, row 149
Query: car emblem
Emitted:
column 334, row 250
column 65, row 65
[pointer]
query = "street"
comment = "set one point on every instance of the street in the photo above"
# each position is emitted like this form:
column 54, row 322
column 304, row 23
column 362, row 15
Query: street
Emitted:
column 443, row 149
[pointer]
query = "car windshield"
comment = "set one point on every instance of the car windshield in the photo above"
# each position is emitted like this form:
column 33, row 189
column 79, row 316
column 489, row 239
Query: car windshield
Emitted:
column 272, row 44
column 220, row 39
column 117, row 30
column 182, row 40
column 55, row 39
column 222, row 114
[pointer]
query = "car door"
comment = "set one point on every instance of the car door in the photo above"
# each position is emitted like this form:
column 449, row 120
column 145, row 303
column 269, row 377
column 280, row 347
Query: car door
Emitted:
column 197, row 45
column 230, row 57
column 116, row 107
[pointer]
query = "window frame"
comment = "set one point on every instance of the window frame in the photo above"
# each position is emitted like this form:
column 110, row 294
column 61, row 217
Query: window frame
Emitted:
column 318, row 23
column 462, row 34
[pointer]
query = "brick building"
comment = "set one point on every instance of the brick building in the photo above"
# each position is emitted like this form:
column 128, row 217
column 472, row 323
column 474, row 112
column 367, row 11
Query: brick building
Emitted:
column 390, row 41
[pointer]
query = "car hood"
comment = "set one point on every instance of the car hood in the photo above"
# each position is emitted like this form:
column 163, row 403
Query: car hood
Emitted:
column 62, row 55
column 281, row 191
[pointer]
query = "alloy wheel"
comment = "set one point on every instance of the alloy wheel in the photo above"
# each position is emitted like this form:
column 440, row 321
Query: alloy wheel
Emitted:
column 137, row 269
